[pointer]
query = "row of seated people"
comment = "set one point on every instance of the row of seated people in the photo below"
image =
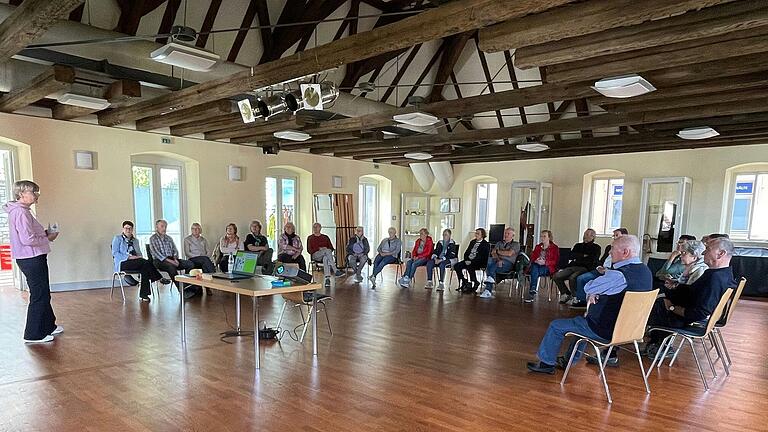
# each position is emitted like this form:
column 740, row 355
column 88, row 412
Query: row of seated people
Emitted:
column 694, row 279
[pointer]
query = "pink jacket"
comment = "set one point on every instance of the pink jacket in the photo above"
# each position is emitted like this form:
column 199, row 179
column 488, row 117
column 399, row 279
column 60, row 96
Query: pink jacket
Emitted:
column 28, row 238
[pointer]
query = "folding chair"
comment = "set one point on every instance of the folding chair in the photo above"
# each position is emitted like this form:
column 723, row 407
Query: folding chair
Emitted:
column 521, row 263
column 724, row 320
column 691, row 333
column 299, row 300
column 629, row 328
column 119, row 275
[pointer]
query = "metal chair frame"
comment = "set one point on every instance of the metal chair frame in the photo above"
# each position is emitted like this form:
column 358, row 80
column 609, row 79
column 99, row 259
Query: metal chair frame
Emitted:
column 308, row 305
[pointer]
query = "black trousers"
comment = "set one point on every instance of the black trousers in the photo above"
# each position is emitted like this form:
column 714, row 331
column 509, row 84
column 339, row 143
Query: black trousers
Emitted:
column 40, row 318
column 570, row 274
column 661, row 317
column 148, row 273
column 203, row 263
column 172, row 270
column 288, row 259
column 459, row 268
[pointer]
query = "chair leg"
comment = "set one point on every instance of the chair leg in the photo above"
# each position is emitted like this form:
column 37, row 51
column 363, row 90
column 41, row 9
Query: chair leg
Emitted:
column 602, row 373
column 607, row 355
column 306, row 325
column 713, row 339
column 327, row 320
column 722, row 344
column 282, row 312
column 570, row 360
column 549, row 291
column 698, row 365
column 656, row 359
column 642, row 370
column 679, row 348
column 709, row 359
column 112, row 290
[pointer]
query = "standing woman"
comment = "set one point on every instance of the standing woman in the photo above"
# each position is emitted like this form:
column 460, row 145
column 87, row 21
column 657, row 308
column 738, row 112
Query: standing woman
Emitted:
column 543, row 259
column 475, row 258
column 289, row 247
column 30, row 248
column 229, row 244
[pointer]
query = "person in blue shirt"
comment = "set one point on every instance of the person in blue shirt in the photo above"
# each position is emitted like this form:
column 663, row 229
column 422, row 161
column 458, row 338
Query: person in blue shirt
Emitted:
column 444, row 254
column 605, row 294
column 126, row 253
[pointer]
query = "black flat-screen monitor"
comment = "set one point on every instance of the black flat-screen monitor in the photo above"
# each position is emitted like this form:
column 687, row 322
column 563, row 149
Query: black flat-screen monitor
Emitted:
column 496, row 233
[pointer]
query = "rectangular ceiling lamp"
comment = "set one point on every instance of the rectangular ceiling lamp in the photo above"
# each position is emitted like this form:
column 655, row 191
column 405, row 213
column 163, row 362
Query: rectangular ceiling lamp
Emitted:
column 185, row 56
column 89, row 102
column 292, row 135
column 416, row 119
column 626, row 86
column 697, row 133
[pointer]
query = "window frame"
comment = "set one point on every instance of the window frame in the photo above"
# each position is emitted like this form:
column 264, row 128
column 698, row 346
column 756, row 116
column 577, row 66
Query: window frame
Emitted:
column 732, row 196
column 610, row 197
column 157, row 196
column 487, row 204
column 376, row 222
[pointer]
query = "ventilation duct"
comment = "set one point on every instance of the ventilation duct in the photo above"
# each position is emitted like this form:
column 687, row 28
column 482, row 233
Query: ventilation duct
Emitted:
column 443, row 172
column 423, row 174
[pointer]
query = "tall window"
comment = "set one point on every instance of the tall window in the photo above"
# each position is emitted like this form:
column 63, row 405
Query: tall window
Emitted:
column 749, row 209
column 368, row 204
column 7, row 178
column 281, row 195
column 157, row 194
column 485, row 213
column 605, row 211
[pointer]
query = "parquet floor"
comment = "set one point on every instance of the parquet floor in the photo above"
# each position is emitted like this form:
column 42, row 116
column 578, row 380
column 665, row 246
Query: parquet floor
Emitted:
column 399, row 360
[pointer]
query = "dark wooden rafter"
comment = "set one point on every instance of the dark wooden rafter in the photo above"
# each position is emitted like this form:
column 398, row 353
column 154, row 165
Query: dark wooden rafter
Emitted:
column 454, row 46
column 351, row 21
column 77, row 14
column 582, row 110
column 550, row 105
column 56, row 78
column 430, row 64
column 457, row 88
column 488, row 79
column 237, row 44
column 169, row 17
column 515, row 84
column 208, row 21
column 194, row 114
column 262, row 14
column 131, row 13
column 29, row 21
column 400, row 72
column 219, row 122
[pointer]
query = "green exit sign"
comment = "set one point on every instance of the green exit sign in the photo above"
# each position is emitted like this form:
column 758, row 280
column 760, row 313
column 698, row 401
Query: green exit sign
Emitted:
column 165, row 140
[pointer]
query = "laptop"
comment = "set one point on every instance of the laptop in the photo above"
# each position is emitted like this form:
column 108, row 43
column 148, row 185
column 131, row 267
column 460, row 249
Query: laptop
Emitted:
column 244, row 268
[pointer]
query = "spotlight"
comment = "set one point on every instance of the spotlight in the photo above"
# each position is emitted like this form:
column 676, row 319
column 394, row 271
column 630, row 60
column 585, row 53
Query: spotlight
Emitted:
column 271, row 149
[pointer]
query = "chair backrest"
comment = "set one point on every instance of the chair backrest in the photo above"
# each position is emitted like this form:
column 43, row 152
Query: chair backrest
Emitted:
column 294, row 297
column 565, row 258
column 149, row 253
column 732, row 303
column 718, row 312
column 633, row 316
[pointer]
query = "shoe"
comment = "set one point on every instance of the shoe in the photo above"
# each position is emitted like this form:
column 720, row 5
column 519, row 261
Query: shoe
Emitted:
column 530, row 297
column 429, row 285
column 565, row 298
column 490, row 280
column 165, row 281
column 358, row 278
column 561, row 363
column 130, row 280
column 372, row 279
column 57, row 331
column 440, row 286
column 208, row 291
column 652, row 349
column 189, row 293
column 144, row 298
column 405, row 282
column 578, row 305
column 613, row 361
column 48, row 338
column 464, row 287
column 373, row 283
column 477, row 287
column 541, row 368
column 327, row 282
column 339, row 273
column 486, row 294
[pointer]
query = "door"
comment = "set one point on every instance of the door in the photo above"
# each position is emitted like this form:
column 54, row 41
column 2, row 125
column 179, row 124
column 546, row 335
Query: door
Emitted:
column 281, row 193
column 157, row 194
column 368, row 204
column 7, row 178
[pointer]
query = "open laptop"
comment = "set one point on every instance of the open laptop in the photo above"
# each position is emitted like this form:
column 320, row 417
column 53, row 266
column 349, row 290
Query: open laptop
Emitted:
column 244, row 268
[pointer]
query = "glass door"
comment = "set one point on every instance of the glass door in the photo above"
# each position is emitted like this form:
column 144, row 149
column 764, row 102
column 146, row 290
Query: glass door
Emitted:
column 663, row 212
column 368, row 199
column 280, row 205
column 7, row 178
column 532, row 207
column 151, row 202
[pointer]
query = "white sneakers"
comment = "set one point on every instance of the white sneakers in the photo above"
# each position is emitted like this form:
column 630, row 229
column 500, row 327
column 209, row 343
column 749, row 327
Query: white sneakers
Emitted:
column 48, row 338
column 486, row 294
column 405, row 282
column 490, row 280
column 429, row 285
column 440, row 286
column 59, row 330
column 480, row 289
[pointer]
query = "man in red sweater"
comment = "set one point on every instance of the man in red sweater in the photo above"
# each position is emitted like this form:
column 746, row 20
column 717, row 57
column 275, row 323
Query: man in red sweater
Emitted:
column 321, row 250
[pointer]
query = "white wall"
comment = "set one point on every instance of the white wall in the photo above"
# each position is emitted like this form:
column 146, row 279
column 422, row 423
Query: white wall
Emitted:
column 90, row 205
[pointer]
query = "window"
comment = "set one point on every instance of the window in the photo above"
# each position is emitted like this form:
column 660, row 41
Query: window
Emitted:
column 368, row 204
column 157, row 194
column 749, row 210
column 605, row 209
column 485, row 214
column 281, row 195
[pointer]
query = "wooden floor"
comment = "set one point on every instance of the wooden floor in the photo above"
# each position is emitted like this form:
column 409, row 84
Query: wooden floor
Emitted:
column 399, row 360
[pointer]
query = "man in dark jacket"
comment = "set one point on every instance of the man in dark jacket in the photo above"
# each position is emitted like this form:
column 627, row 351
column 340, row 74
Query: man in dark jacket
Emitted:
column 606, row 293
column 687, row 304
column 585, row 257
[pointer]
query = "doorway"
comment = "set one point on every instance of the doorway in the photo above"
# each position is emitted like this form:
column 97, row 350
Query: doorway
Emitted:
column 281, row 205
column 7, row 178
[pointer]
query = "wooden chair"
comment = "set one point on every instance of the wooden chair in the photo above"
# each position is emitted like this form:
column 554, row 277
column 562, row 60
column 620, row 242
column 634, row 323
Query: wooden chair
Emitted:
column 690, row 334
column 298, row 300
column 629, row 328
column 724, row 320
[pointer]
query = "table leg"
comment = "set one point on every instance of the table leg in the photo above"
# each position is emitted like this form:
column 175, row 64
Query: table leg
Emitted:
column 183, row 316
column 237, row 311
column 314, row 323
column 256, row 332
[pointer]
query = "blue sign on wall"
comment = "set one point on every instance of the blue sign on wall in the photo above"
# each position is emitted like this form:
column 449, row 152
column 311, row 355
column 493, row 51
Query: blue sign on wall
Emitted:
column 744, row 188
column 618, row 190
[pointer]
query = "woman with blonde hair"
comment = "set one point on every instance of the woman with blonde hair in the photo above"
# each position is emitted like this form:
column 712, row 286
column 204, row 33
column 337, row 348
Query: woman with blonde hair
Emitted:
column 229, row 244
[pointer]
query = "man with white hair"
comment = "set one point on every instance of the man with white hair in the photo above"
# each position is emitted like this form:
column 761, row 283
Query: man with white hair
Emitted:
column 695, row 302
column 606, row 294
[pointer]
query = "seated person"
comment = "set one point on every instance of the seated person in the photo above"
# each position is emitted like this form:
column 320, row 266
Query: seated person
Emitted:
column 126, row 253
column 606, row 294
column 502, row 259
column 443, row 255
column 543, row 261
column 584, row 257
column 692, row 258
column 229, row 244
column 196, row 250
column 289, row 247
column 422, row 251
column 672, row 268
column 255, row 242
column 321, row 250
column 165, row 256
column 389, row 251
column 357, row 252
column 579, row 300
column 688, row 304
column 475, row 257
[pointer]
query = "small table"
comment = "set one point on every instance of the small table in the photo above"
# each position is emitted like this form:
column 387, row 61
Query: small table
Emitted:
column 258, row 286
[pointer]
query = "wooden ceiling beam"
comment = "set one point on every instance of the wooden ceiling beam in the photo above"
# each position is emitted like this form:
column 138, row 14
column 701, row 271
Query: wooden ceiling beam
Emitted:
column 131, row 13
column 452, row 18
column 119, row 93
column 715, row 121
column 488, row 80
column 400, row 72
column 515, row 84
column 581, row 19
column 296, row 145
column 55, row 79
column 208, row 21
column 215, row 123
column 454, row 47
column 252, row 129
column 716, row 69
column 740, row 43
column 712, row 21
column 29, row 21
column 194, row 114
column 688, row 101
column 424, row 73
